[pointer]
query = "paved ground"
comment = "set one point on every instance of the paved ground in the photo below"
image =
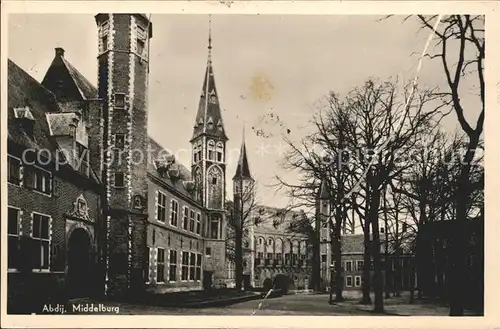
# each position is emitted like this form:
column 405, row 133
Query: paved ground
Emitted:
column 299, row 304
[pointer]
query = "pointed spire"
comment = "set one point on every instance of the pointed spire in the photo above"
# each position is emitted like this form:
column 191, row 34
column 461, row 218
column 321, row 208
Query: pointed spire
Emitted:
column 209, row 118
column 243, row 169
column 323, row 194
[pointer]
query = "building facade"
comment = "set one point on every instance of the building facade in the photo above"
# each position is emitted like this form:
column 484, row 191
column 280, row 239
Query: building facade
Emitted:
column 141, row 223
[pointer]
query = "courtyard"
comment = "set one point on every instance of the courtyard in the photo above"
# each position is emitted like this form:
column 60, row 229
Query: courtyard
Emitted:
column 297, row 304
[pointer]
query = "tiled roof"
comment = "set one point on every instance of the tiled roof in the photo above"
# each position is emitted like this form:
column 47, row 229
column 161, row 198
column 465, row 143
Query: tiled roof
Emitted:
column 353, row 244
column 87, row 90
column 59, row 123
column 25, row 91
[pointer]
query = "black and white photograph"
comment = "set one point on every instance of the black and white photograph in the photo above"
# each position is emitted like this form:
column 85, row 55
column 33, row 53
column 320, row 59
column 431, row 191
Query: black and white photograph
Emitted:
column 244, row 164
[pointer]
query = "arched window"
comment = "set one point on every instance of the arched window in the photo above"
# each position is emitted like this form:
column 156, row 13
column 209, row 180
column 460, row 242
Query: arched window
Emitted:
column 269, row 242
column 261, row 241
column 197, row 152
column 220, row 152
column 211, row 150
column 215, row 187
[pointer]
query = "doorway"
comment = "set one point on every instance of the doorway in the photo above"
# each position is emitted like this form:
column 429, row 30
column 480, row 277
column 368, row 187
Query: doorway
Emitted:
column 79, row 276
column 207, row 280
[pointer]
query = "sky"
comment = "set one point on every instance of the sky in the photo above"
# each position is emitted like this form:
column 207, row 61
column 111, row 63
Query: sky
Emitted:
column 265, row 66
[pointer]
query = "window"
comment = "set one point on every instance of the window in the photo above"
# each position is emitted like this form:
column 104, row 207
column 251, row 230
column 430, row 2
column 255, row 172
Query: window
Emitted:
column 294, row 259
column 13, row 170
column 357, row 281
column 270, row 242
column 348, row 266
column 161, row 207
column 160, row 266
column 140, row 47
column 211, row 150
column 172, row 268
column 185, row 218
column 287, row 259
column 41, row 235
column 382, row 230
column 261, row 241
column 174, row 209
column 120, row 141
column 82, row 158
column 147, row 269
column 278, row 258
column 120, row 101
column 260, row 255
column 191, row 220
column 214, row 180
column 198, row 267
column 348, row 281
column 208, row 251
column 38, row 179
column 119, row 180
column 323, row 258
column 104, row 43
column 220, row 152
column 359, row 265
column 185, row 266
column 13, row 237
column 214, row 229
column 192, row 266
column 197, row 152
column 198, row 223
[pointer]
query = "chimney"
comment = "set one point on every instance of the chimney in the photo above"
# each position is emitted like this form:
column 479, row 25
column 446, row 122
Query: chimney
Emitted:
column 59, row 51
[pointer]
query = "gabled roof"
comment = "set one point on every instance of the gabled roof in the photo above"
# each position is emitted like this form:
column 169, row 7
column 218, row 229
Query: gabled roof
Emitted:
column 25, row 91
column 66, row 82
column 209, row 117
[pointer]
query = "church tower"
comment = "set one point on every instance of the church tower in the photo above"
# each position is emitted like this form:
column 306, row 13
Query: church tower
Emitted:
column 243, row 196
column 323, row 222
column 209, row 166
column 123, row 71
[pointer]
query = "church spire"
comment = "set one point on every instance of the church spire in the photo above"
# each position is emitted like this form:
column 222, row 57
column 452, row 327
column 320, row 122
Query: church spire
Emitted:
column 243, row 169
column 209, row 117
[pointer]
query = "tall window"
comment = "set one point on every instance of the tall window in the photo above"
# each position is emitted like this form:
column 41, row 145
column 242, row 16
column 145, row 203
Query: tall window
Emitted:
column 104, row 30
column 269, row 258
column 198, row 267
column 348, row 266
column 185, row 266
column 220, row 152
column 323, row 258
column 41, row 235
column 359, row 265
column 278, row 258
column 197, row 152
column 211, row 150
column 357, row 281
column 141, row 41
column 160, row 266
column 82, row 159
column 348, row 281
column 13, row 170
column 172, row 270
column 13, row 237
column 260, row 257
column 185, row 218
column 294, row 259
column 198, row 223
column 161, row 207
column 38, row 179
column 214, row 229
column 174, row 210
column 104, row 45
column 191, row 220
column 192, row 266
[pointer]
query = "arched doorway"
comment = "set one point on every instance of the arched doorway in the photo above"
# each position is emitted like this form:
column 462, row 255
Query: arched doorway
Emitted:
column 79, row 275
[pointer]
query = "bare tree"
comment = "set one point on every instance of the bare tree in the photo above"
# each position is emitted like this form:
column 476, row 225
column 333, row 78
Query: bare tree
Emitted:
column 461, row 51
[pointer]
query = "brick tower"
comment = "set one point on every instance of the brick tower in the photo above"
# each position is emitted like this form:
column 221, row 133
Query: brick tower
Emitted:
column 209, row 169
column 123, row 71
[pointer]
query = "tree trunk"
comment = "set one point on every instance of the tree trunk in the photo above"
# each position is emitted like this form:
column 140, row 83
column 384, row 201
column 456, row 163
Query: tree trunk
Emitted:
column 366, row 264
column 338, row 265
column 378, row 285
column 238, row 253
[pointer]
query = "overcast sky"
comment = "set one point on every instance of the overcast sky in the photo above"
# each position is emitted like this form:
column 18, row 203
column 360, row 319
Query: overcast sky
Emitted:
column 300, row 59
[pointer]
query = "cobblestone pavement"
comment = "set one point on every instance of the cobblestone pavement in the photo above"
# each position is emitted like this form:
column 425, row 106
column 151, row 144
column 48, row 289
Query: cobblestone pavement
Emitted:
column 295, row 305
